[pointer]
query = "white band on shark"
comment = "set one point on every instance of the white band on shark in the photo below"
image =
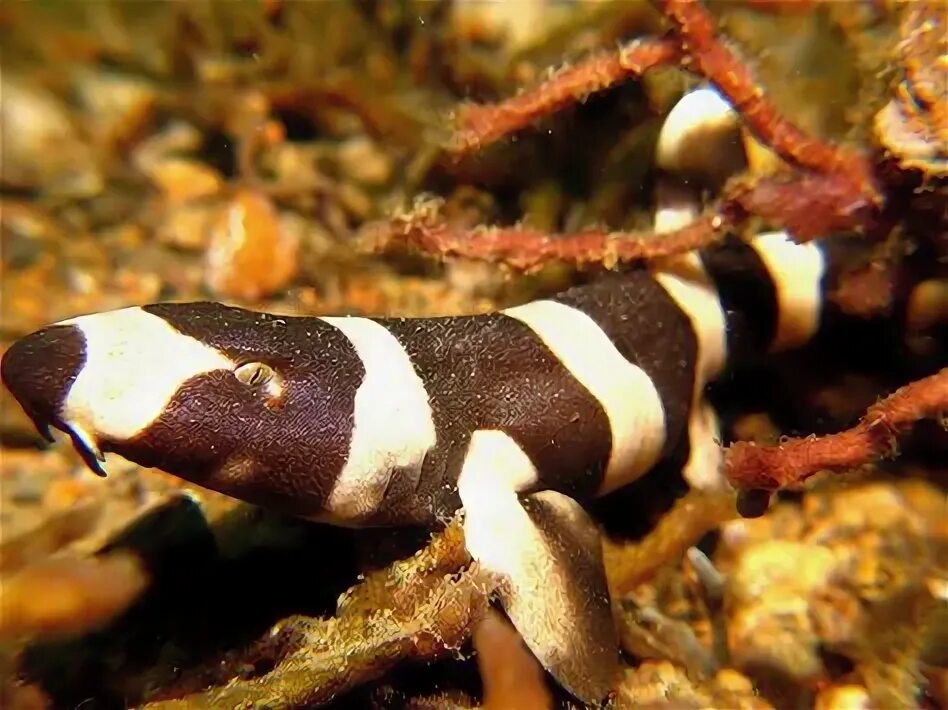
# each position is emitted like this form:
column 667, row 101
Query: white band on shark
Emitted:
column 626, row 393
column 135, row 362
column 496, row 527
column 797, row 273
column 684, row 279
column 697, row 131
column 393, row 427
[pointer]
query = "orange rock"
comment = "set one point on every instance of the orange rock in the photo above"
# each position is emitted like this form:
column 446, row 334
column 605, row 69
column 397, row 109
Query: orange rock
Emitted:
column 251, row 254
column 183, row 180
column 65, row 493
column 23, row 697
column 68, row 595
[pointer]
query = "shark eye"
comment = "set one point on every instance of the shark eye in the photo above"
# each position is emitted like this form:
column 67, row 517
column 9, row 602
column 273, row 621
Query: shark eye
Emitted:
column 254, row 374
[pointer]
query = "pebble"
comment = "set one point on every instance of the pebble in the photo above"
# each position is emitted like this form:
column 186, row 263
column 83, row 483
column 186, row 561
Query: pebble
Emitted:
column 250, row 255
column 363, row 161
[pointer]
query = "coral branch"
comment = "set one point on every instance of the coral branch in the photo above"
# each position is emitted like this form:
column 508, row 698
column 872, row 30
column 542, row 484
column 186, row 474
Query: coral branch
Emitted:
column 630, row 564
column 750, row 466
column 838, row 191
column 808, row 205
column 702, row 51
column 708, row 56
column 479, row 126
column 527, row 249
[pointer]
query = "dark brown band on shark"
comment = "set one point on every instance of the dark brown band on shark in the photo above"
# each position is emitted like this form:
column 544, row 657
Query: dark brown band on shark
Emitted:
column 240, row 333
column 492, row 372
column 285, row 453
column 748, row 296
column 41, row 369
column 651, row 331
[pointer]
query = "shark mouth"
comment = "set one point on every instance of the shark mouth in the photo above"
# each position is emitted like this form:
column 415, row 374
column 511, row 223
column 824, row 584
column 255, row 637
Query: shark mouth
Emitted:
column 83, row 442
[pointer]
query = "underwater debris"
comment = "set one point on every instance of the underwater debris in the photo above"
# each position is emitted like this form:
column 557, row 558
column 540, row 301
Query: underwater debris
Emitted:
column 844, row 572
column 827, row 597
column 61, row 527
column 43, row 126
column 660, row 684
column 421, row 608
column 183, row 180
column 647, row 633
column 913, row 126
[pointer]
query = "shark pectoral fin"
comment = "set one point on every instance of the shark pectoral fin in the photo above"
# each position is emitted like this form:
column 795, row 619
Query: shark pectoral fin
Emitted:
column 548, row 556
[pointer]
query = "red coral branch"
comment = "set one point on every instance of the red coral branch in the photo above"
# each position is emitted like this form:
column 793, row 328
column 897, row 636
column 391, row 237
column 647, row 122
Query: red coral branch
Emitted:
column 708, row 56
column 527, row 249
column 480, row 125
column 808, row 205
column 750, row 466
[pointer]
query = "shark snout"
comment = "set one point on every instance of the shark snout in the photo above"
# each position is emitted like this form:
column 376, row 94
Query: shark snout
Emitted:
column 40, row 369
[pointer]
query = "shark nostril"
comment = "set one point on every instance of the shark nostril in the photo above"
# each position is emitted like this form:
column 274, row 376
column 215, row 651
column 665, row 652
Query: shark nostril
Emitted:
column 40, row 368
